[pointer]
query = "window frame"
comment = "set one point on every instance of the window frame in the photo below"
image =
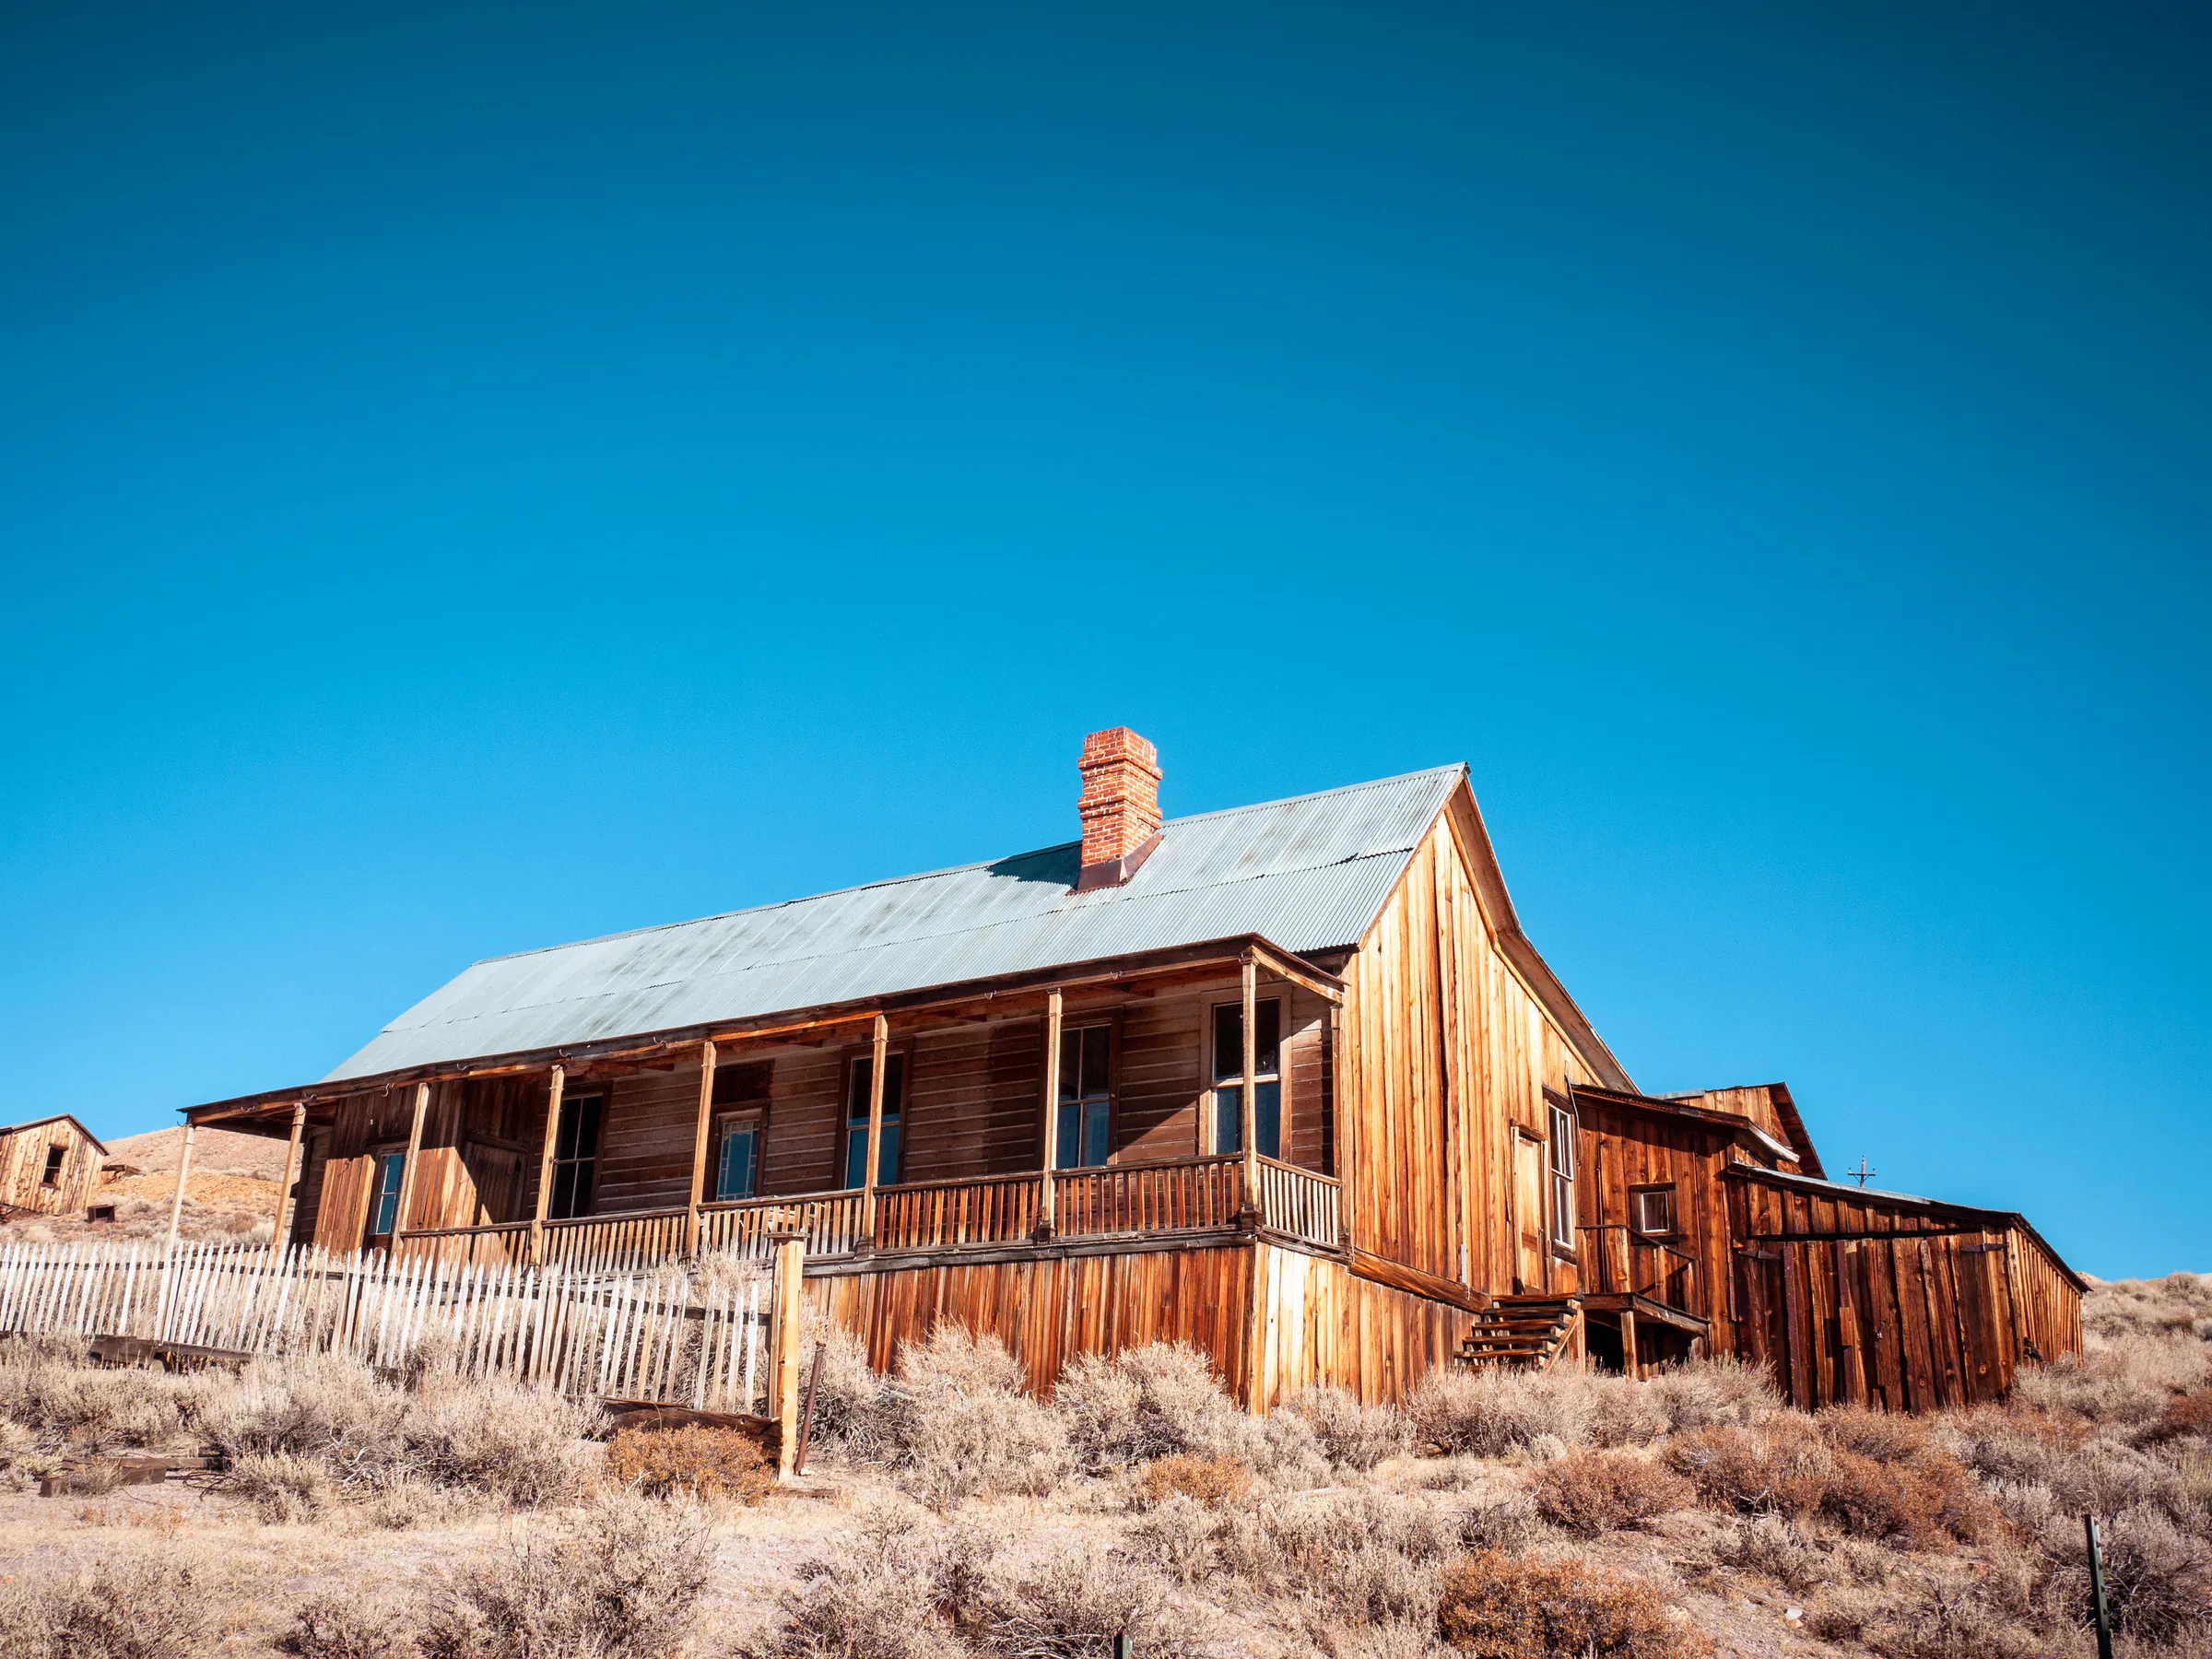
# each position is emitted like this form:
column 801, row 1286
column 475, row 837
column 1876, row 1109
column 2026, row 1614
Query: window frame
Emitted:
column 738, row 1120
column 385, row 1158
column 1108, row 1030
column 57, row 1163
column 558, row 1164
column 903, row 1054
column 1565, row 1127
column 1637, row 1194
column 1209, row 1115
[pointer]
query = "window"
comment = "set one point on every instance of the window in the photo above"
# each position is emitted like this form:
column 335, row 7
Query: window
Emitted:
column 856, row 1121
column 575, row 1157
column 54, row 1155
column 1268, row 1079
column 391, row 1175
column 1086, row 1097
column 1654, row 1209
column 1562, row 1177
column 739, row 1166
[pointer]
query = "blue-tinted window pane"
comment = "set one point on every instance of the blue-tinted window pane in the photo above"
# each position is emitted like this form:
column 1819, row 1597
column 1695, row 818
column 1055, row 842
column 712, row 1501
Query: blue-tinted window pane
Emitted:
column 887, row 1161
column 391, row 1172
column 1095, row 1123
column 740, row 1150
column 1067, row 1141
column 856, row 1156
column 1229, row 1120
column 1267, row 1118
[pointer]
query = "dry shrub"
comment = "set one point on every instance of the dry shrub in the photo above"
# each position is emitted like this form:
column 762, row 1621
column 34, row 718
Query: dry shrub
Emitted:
column 1773, row 1548
column 850, row 1399
column 1351, row 1436
column 621, row 1581
column 1707, row 1394
column 344, row 1627
column 1071, row 1602
column 2158, row 1579
column 1966, row 1621
column 1164, row 1399
column 695, row 1460
column 2125, row 1385
column 2188, row 1415
column 1369, row 1557
column 1487, row 1412
column 131, row 1608
column 1502, row 1519
column 1593, row 1492
column 1791, row 1466
column 280, row 1487
column 876, row 1597
column 1177, row 1538
column 1211, row 1481
column 963, row 1425
column 524, row 1446
column 1499, row 1607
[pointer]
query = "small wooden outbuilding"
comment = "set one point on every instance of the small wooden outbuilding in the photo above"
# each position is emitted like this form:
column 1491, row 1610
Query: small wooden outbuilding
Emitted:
column 48, row 1167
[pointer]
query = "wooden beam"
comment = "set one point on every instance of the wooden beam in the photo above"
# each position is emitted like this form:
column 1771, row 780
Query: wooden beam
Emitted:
column 1248, row 1107
column 1049, row 1109
column 544, row 1168
column 176, row 1206
column 1338, row 1095
column 407, row 1173
column 796, row 1023
column 291, row 1175
column 879, row 1053
column 699, row 1145
column 1629, row 1365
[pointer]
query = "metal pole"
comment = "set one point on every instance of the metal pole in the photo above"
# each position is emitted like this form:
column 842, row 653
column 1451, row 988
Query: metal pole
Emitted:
column 813, row 1382
column 2104, row 1619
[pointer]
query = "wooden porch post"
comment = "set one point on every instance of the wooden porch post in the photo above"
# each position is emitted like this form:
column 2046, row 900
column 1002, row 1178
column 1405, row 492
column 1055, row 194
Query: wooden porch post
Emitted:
column 544, row 1168
column 1249, row 1105
column 176, row 1207
column 407, row 1173
column 699, row 1145
column 1338, row 1095
column 291, row 1174
column 879, row 1054
column 1050, row 1110
column 1628, row 1362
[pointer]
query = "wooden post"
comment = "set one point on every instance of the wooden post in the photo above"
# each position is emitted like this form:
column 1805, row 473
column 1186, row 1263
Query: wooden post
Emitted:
column 879, row 1053
column 699, row 1145
column 1629, row 1361
column 291, row 1175
column 544, row 1168
column 407, row 1171
column 1339, row 1096
column 1249, row 1117
column 176, row 1207
column 1051, row 1114
column 787, row 1312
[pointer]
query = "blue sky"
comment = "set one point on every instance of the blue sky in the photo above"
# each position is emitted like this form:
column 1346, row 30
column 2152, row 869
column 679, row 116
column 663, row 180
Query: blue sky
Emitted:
column 473, row 479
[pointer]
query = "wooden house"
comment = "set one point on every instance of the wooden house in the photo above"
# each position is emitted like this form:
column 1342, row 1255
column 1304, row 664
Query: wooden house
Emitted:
column 1284, row 1082
column 48, row 1167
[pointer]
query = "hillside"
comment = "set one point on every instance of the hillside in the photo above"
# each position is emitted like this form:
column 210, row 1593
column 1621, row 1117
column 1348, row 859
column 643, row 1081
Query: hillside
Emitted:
column 1510, row 1516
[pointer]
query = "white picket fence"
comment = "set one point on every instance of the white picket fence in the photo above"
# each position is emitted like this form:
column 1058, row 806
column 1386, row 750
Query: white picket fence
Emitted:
column 669, row 1334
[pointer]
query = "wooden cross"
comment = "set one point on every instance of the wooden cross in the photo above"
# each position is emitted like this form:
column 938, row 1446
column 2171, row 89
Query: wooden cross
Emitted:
column 1862, row 1172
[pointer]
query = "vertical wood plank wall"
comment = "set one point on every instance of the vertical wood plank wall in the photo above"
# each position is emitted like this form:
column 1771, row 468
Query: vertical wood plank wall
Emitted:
column 23, row 1169
column 1446, row 1052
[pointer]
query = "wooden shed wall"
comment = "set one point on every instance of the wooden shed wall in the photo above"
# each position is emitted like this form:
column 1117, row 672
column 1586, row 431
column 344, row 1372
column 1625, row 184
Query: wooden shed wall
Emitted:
column 23, row 1167
column 1621, row 1150
column 1446, row 1050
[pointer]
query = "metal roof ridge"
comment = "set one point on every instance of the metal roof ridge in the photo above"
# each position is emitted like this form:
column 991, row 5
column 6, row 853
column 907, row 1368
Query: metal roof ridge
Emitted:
column 1458, row 766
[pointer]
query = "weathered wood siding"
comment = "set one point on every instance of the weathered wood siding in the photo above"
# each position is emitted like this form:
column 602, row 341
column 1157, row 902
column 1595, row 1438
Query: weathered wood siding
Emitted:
column 1848, row 1299
column 1622, row 1149
column 1447, row 1050
column 23, row 1157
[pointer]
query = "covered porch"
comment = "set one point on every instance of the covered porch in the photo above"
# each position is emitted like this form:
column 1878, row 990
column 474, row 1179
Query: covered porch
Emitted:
column 1147, row 1101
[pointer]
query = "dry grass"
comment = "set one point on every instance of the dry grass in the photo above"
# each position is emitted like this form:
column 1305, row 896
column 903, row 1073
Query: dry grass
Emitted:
column 694, row 1461
column 1499, row 1607
column 125, row 1607
column 1904, row 1489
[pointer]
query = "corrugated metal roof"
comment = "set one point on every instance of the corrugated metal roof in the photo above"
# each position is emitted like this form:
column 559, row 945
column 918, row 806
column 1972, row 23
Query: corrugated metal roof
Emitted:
column 1308, row 872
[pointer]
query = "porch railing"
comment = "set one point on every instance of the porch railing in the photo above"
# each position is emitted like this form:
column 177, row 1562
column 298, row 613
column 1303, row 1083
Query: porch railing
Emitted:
column 1622, row 1262
column 1184, row 1196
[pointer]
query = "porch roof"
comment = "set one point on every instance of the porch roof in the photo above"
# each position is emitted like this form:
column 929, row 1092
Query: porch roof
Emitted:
column 1309, row 873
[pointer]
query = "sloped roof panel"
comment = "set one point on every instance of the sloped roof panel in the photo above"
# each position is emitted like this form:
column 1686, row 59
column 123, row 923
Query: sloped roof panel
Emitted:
column 1309, row 873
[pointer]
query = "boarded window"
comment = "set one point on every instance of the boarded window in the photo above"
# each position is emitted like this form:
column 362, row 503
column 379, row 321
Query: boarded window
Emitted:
column 1267, row 1078
column 856, row 1121
column 1654, row 1210
column 1086, row 1097
column 575, row 1157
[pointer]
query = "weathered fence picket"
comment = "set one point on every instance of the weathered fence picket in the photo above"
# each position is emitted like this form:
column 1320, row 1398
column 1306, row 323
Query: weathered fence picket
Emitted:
column 673, row 1331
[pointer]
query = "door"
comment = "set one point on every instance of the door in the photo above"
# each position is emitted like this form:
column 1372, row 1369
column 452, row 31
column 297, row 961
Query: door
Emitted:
column 1529, row 1250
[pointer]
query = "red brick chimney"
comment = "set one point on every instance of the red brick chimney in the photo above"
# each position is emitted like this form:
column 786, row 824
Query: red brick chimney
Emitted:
column 1120, row 806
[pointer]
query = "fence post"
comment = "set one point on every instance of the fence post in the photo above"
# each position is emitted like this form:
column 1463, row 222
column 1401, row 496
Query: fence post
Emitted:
column 2104, row 1616
column 787, row 1307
